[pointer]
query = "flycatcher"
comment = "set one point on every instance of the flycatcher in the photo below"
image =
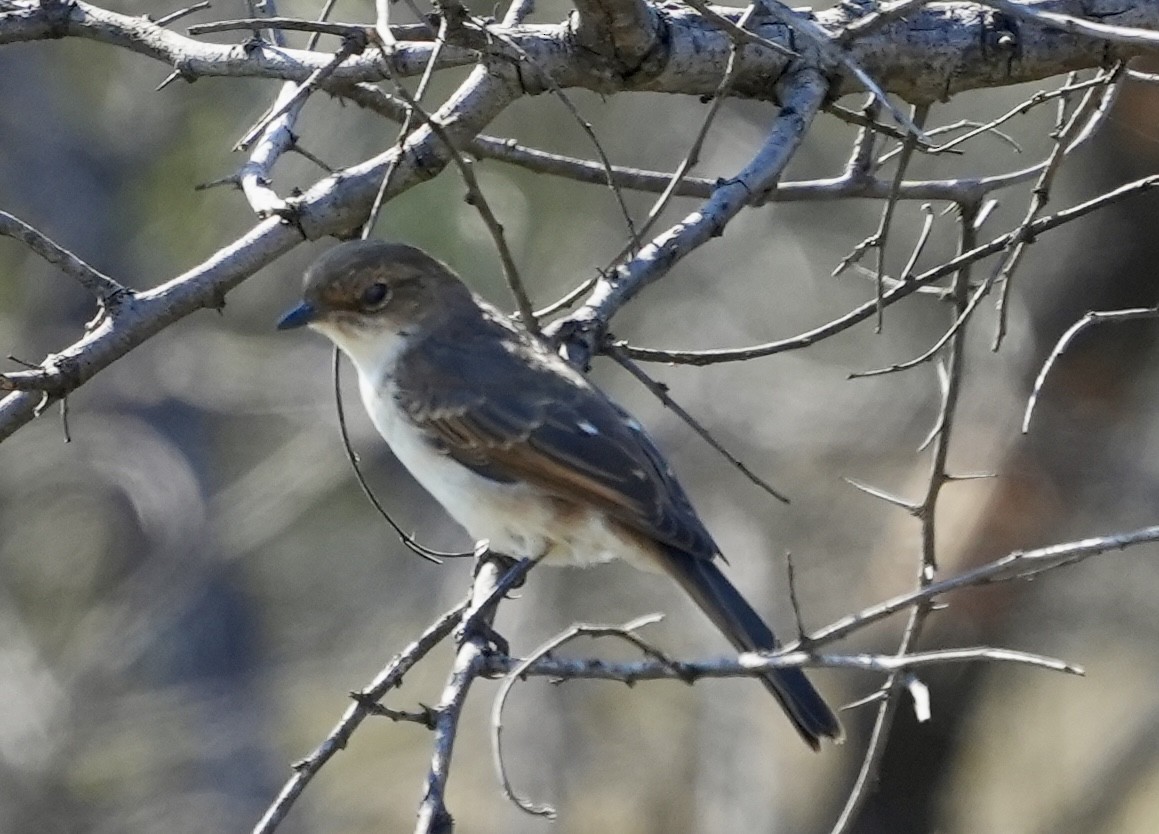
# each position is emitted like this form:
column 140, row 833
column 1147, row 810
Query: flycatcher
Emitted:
column 517, row 445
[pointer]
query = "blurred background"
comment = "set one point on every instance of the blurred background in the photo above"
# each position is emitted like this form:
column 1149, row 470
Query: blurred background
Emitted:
column 191, row 587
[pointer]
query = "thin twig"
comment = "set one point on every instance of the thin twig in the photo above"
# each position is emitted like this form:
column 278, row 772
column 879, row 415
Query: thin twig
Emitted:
column 389, row 678
column 692, row 157
column 1064, row 342
column 409, row 541
column 898, row 292
column 794, row 602
column 478, row 200
column 1013, row 566
column 877, row 241
column 943, row 340
column 106, row 290
column 327, row 10
column 736, row 31
column 581, row 333
column 351, row 45
column 273, row 135
column 1126, row 35
column 1095, row 102
column 926, row 513
column 558, row 92
column 910, row 507
column 173, row 17
column 660, row 391
column 520, row 671
column 973, row 129
column 1039, row 98
column 881, row 16
column 861, row 120
column 920, row 245
column 408, row 32
column 404, row 131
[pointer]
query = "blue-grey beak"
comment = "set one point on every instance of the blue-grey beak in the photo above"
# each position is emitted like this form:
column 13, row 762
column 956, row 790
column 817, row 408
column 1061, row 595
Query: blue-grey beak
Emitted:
column 299, row 316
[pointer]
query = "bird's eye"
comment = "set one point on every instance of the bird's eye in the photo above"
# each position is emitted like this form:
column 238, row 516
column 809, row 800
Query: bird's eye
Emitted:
column 375, row 296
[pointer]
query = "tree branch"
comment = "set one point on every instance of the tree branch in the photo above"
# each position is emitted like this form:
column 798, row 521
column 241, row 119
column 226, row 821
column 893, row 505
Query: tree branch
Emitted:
column 973, row 49
column 750, row 665
column 336, row 204
column 362, row 708
column 582, row 331
column 106, row 291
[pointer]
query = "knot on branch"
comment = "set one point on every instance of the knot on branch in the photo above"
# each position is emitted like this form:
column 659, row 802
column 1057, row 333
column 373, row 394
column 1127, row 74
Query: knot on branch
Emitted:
column 578, row 338
column 624, row 34
column 59, row 15
column 457, row 19
column 1000, row 33
column 56, row 377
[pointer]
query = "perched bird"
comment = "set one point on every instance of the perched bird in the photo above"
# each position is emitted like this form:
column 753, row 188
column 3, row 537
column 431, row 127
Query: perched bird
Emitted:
column 517, row 445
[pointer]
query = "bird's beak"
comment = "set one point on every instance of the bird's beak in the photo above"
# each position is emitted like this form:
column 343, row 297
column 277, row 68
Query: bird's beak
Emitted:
column 299, row 316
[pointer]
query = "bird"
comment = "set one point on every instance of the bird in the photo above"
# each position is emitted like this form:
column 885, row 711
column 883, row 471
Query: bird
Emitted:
column 518, row 446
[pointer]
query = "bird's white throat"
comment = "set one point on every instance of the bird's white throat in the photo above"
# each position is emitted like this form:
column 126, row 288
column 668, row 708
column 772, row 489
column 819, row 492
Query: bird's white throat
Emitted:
column 374, row 352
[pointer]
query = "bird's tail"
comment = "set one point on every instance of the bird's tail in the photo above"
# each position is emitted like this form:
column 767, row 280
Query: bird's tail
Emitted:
column 745, row 629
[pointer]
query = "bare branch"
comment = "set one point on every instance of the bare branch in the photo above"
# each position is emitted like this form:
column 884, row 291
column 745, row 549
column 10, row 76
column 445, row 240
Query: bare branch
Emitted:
column 1095, row 105
column 1040, row 13
column 491, row 582
column 1068, row 338
column 1015, row 565
column 753, row 665
column 334, row 205
column 584, row 328
column 173, row 17
column 660, row 391
column 896, row 293
column 274, row 132
column 106, row 290
column 1042, row 51
column 353, row 45
column 877, row 241
column 521, row 670
column 899, row 680
column 389, row 678
column 478, row 200
column 407, row 32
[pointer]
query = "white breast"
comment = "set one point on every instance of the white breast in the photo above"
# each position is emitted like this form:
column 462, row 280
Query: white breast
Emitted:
column 516, row 519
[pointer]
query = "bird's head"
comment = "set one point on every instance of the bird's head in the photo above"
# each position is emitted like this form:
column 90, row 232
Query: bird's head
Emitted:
column 368, row 296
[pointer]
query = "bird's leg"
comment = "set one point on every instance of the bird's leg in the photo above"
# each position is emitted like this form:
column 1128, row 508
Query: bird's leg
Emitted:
column 497, row 643
column 484, row 554
column 478, row 622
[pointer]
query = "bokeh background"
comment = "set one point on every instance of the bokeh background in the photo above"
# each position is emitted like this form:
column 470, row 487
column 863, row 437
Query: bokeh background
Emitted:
column 191, row 587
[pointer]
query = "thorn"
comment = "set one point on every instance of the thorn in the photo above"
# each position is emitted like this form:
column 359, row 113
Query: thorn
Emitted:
column 871, row 698
column 232, row 179
column 173, row 76
column 180, row 13
column 881, row 494
column 971, row 476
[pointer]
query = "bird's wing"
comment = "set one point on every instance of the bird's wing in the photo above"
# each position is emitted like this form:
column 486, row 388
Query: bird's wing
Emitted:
column 511, row 410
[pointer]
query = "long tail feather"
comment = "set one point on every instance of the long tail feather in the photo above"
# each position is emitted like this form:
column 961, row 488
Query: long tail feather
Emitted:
column 745, row 629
